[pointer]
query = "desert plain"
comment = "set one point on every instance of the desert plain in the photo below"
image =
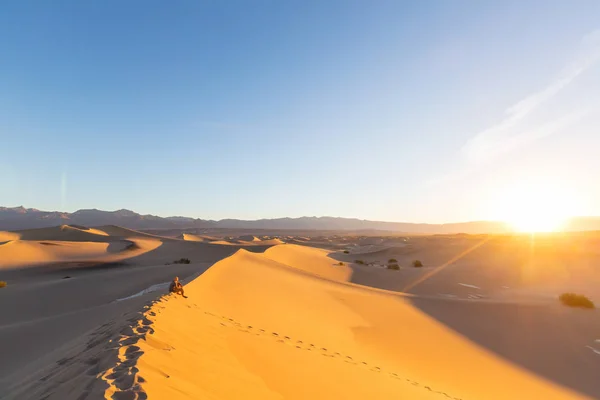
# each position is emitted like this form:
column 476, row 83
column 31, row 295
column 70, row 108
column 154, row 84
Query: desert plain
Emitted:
column 86, row 314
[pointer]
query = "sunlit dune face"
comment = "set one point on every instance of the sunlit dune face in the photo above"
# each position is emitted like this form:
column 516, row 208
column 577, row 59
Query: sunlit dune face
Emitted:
column 536, row 207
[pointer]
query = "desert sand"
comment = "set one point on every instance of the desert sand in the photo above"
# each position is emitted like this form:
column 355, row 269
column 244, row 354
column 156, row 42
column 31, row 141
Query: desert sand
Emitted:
column 265, row 320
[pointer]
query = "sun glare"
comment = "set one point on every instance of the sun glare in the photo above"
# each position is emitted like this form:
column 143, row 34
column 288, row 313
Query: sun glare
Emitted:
column 536, row 207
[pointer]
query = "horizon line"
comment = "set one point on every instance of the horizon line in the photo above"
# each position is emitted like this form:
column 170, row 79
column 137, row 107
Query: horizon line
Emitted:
column 284, row 217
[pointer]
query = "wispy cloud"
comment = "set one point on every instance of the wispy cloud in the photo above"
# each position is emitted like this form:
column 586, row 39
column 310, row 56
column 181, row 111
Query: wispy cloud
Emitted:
column 510, row 134
column 518, row 128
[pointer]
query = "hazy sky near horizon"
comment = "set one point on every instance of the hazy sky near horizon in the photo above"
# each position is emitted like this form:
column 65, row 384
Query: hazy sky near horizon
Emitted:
column 423, row 111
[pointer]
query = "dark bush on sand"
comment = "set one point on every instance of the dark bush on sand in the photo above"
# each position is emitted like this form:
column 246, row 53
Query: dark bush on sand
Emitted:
column 182, row 261
column 361, row 262
column 417, row 264
column 393, row 266
column 576, row 300
column 392, row 261
column 2, row 284
column 346, row 252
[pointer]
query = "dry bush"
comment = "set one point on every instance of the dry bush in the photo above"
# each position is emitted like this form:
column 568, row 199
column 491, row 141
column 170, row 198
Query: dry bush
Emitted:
column 576, row 300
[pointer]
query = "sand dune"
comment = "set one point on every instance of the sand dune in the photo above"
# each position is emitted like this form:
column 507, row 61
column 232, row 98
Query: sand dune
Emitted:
column 8, row 236
column 106, row 279
column 198, row 238
column 308, row 259
column 19, row 253
column 248, row 238
column 66, row 233
column 72, row 244
column 284, row 322
column 269, row 242
column 22, row 253
column 117, row 231
column 503, row 267
column 300, row 337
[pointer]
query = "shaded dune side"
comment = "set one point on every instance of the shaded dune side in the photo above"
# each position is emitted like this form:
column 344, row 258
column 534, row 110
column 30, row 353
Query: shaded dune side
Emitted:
column 30, row 253
column 65, row 233
column 255, row 328
column 249, row 238
column 117, row 231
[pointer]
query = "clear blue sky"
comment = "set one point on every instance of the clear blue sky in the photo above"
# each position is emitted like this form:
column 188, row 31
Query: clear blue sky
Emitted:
column 404, row 111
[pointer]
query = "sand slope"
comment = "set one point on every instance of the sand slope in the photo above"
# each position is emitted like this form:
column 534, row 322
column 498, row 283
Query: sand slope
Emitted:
column 28, row 253
column 68, row 244
column 197, row 238
column 308, row 259
column 18, row 253
column 65, row 232
column 255, row 328
column 8, row 236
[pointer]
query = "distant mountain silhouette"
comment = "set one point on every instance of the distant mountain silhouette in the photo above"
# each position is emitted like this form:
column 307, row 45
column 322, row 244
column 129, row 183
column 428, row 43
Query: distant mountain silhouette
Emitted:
column 16, row 218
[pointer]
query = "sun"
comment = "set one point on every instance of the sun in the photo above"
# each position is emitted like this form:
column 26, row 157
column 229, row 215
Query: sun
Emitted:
column 536, row 206
column 533, row 221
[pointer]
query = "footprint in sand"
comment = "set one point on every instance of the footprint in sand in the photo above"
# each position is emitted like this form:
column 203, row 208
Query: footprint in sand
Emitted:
column 299, row 344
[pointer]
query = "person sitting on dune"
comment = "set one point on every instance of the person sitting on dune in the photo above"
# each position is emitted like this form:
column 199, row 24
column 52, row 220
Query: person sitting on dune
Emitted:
column 176, row 287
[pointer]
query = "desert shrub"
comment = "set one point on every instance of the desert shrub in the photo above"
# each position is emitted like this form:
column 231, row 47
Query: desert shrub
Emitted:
column 417, row 264
column 361, row 262
column 346, row 252
column 182, row 261
column 340, row 263
column 392, row 261
column 393, row 266
column 2, row 284
column 576, row 300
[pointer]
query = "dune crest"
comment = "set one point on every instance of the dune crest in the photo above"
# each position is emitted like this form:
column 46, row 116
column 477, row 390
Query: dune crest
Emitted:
column 197, row 238
column 309, row 259
column 8, row 236
column 69, row 233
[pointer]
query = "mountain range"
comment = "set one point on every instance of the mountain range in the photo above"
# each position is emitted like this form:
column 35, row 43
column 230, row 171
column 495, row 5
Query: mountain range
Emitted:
column 15, row 218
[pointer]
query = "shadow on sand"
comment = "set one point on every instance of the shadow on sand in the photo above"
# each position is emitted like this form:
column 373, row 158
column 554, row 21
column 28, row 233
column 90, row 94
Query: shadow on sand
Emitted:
column 550, row 341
